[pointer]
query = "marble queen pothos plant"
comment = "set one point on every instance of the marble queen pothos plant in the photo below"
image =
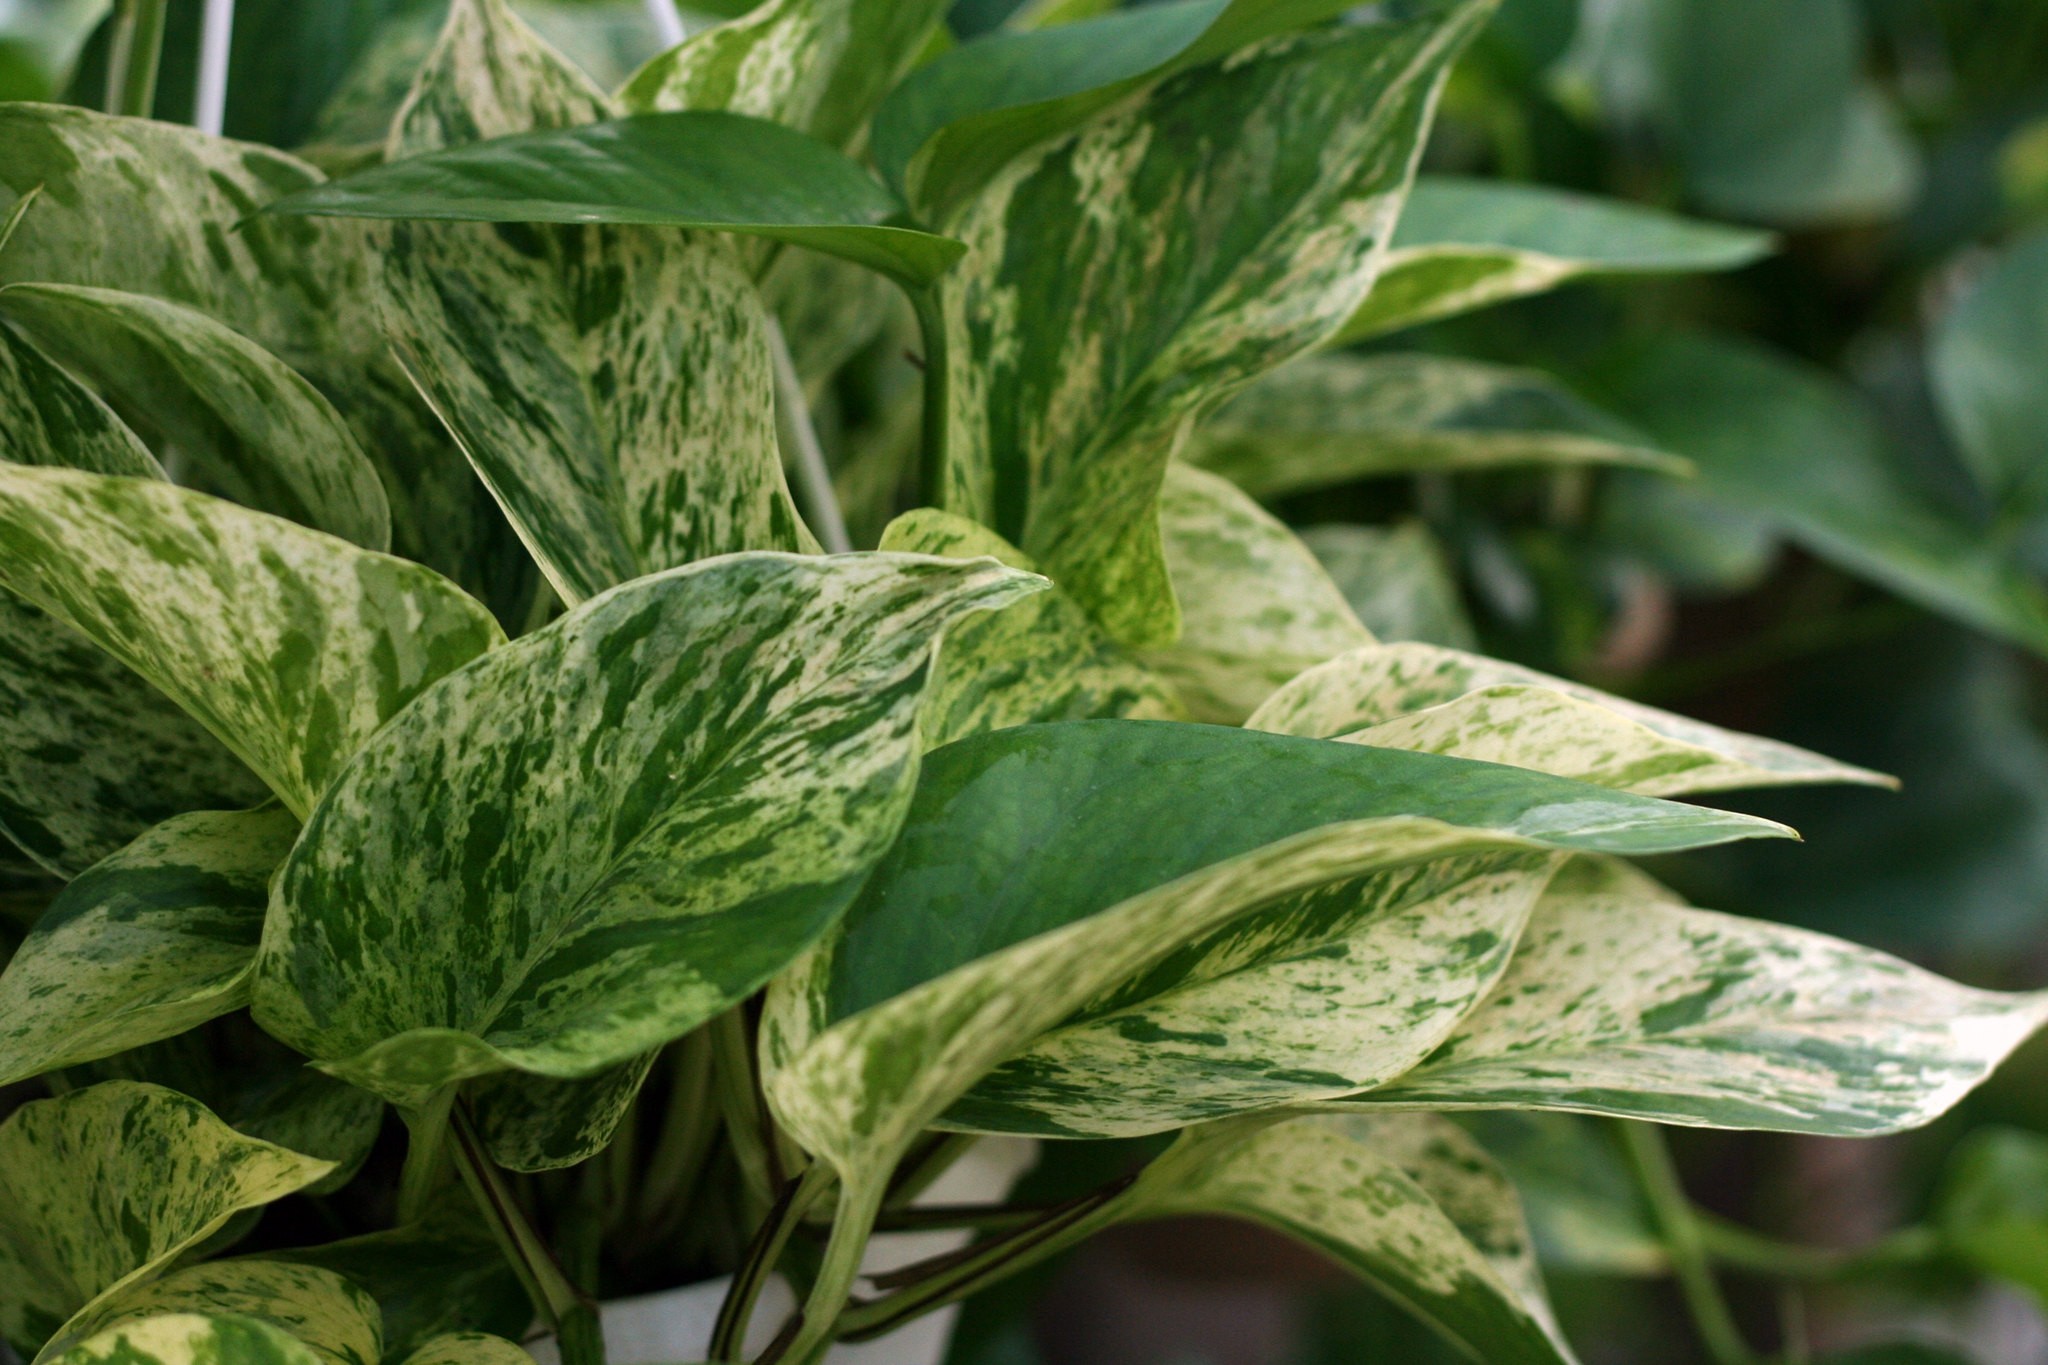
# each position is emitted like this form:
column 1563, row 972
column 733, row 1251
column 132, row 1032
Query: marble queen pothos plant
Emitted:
column 423, row 696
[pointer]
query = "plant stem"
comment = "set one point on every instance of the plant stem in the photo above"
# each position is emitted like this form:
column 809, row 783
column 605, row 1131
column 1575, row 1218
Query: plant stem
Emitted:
column 728, row 1337
column 562, row 1306
column 980, row 1217
column 1651, row 1162
column 133, row 56
column 859, row 1201
column 800, row 437
column 938, row 380
column 926, row 1164
column 1735, row 1245
column 935, row 1283
column 426, row 1155
column 688, row 1128
column 747, row 1122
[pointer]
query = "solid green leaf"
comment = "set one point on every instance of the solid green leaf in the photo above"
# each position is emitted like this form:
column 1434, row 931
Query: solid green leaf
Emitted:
column 999, row 97
column 1256, row 606
column 1773, row 436
column 1407, row 1202
column 638, row 815
column 1333, row 419
column 318, row 1308
column 1435, row 700
column 247, row 425
column 443, row 1274
column 1143, row 837
column 1984, row 363
column 1121, row 280
column 158, row 209
column 820, row 66
column 156, row 939
column 692, row 169
column 289, row 645
column 106, row 1186
column 1993, row 1207
column 1463, row 244
column 1397, row 579
column 1620, row 1002
column 192, row 1339
column 612, row 385
column 1037, row 660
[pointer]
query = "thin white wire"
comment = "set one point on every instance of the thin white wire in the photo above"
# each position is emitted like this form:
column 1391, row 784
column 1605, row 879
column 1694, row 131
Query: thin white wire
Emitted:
column 667, row 20
column 216, row 33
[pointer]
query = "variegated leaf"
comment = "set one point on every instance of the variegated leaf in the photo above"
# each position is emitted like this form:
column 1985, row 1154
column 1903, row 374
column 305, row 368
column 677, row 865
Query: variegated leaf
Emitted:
column 1069, row 861
column 246, row 424
column 468, row 1348
column 540, row 1123
column 1041, row 659
column 192, row 1339
column 1617, row 1003
column 156, row 939
column 1397, row 579
column 289, row 645
column 612, row 385
column 1122, row 279
column 1256, row 606
column 104, row 1187
column 1464, row 244
column 317, row 1308
column 1332, row 419
column 1409, row 1202
column 443, row 1274
column 625, row 822
column 298, row 1108
column 1435, row 700
column 817, row 65
column 155, row 208
column 90, row 754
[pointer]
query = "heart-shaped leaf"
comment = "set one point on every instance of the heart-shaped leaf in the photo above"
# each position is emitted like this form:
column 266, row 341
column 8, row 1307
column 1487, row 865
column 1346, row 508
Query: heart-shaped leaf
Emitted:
column 1619, row 1003
column 1398, row 580
column 1334, row 419
column 468, row 1348
column 1256, row 606
column 289, row 645
column 1122, row 279
column 443, row 1274
column 106, row 1186
column 624, row 822
column 1444, row 701
column 1464, row 244
column 154, row 940
column 250, row 427
column 336, row 1320
column 192, row 1339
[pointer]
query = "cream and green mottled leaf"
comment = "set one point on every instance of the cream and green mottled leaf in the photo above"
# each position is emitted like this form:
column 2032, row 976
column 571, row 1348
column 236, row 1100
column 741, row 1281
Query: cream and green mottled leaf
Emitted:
column 1126, row 277
column 1397, row 578
column 1464, row 244
column 1407, row 1202
column 540, row 1123
column 1436, row 700
column 1145, row 838
column 156, row 939
column 289, row 645
column 1256, row 606
column 154, row 208
column 192, row 1339
column 1619, row 1003
column 443, row 1274
column 639, row 814
column 298, row 1108
column 106, row 1186
column 1332, row 419
column 468, row 1348
column 816, row 65
column 611, row 385
column 90, row 754
column 318, row 1308
column 1040, row 659
column 246, row 424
